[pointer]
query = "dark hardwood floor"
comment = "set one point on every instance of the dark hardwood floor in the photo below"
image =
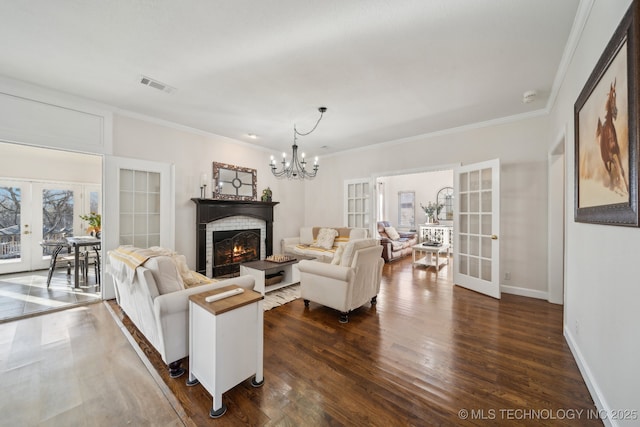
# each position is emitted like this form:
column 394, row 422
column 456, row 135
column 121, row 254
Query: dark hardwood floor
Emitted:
column 429, row 353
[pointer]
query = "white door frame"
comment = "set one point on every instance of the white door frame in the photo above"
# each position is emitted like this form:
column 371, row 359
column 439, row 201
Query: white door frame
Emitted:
column 556, row 230
column 111, row 204
column 463, row 274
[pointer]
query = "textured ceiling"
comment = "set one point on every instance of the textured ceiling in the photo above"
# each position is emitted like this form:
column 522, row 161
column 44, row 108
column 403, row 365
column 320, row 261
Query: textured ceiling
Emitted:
column 386, row 69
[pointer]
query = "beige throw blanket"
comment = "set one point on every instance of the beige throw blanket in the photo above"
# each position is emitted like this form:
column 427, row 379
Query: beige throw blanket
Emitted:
column 126, row 259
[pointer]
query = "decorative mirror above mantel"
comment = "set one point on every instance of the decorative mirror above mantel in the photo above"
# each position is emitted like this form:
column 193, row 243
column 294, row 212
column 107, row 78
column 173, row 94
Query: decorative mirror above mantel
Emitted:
column 234, row 182
column 445, row 198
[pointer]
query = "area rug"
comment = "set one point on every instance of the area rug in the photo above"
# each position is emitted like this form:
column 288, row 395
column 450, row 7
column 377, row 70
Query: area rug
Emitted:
column 281, row 296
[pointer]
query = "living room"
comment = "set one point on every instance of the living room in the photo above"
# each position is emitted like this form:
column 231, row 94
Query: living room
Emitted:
column 600, row 271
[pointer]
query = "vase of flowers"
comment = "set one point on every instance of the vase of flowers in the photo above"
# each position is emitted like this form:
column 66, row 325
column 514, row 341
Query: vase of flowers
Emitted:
column 95, row 223
column 431, row 212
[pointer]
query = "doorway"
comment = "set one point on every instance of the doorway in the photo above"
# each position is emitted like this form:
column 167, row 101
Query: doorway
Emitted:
column 424, row 185
column 556, row 212
column 43, row 192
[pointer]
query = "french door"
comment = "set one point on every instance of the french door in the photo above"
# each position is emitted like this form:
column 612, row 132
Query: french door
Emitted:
column 357, row 195
column 477, row 219
column 33, row 211
column 139, row 205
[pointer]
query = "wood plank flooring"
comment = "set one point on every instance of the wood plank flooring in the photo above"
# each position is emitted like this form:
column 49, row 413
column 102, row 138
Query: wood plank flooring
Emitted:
column 427, row 352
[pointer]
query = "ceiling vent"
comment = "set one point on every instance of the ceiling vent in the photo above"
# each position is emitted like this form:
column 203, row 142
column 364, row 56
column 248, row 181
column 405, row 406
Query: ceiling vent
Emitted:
column 147, row 81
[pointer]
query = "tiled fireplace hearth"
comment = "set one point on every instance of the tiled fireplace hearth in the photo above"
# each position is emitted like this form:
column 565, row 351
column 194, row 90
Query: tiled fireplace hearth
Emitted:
column 225, row 216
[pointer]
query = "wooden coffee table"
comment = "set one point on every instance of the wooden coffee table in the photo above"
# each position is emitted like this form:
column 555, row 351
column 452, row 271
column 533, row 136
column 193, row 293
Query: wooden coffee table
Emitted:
column 260, row 269
column 431, row 252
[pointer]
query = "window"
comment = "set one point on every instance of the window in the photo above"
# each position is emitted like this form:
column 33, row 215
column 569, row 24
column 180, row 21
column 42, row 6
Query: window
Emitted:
column 406, row 209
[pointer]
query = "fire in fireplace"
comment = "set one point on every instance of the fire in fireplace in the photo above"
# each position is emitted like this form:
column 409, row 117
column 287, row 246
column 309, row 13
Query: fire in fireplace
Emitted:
column 233, row 247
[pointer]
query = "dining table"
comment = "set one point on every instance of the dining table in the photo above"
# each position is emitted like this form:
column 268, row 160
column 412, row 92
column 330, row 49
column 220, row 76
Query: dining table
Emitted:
column 76, row 243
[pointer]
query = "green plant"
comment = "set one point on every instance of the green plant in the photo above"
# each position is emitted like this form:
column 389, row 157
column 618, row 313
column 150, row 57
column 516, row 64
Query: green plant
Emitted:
column 94, row 220
column 432, row 208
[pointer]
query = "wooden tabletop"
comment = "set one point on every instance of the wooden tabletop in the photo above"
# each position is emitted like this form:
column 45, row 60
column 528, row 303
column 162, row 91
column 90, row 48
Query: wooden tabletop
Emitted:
column 421, row 247
column 225, row 304
column 267, row 265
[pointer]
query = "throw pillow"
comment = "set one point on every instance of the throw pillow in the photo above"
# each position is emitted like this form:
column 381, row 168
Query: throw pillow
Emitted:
column 337, row 256
column 325, row 239
column 392, row 233
column 165, row 274
column 353, row 246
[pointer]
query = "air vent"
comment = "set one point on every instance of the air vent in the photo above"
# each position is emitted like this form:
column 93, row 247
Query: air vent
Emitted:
column 147, row 81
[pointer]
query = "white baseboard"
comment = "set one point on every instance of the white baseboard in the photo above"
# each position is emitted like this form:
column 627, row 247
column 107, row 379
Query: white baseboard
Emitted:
column 524, row 292
column 593, row 388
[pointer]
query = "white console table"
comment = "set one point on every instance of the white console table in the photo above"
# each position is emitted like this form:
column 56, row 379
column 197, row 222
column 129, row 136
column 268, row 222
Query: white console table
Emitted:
column 436, row 232
column 225, row 342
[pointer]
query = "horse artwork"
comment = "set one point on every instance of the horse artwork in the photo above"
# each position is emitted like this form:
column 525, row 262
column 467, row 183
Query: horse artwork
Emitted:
column 607, row 138
column 603, row 151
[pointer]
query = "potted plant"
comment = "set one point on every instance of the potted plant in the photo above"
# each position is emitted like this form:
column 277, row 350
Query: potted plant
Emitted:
column 430, row 210
column 266, row 195
column 95, row 223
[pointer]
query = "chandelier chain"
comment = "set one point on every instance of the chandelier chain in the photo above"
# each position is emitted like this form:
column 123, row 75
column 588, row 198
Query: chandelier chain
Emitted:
column 314, row 128
column 296, row 168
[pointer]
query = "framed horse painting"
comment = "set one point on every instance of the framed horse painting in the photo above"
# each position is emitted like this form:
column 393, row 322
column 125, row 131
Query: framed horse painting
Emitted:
column 606, row 132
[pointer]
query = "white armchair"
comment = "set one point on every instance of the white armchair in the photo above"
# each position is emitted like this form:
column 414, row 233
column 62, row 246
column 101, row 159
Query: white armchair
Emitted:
column 350, row 281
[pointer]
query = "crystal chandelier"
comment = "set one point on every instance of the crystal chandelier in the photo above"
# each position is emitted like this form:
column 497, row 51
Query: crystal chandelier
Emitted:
column 297, row 168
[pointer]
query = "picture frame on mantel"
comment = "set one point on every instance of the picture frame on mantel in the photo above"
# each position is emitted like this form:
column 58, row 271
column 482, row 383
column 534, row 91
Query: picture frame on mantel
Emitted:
column 234, row 182
column 606, row 132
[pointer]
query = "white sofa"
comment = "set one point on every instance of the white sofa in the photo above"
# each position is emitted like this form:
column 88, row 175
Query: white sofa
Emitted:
column 347, row 283
column 304, row 243
column 157, row 302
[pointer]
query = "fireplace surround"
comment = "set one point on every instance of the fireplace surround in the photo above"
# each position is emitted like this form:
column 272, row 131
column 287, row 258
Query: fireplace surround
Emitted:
column 210, row 210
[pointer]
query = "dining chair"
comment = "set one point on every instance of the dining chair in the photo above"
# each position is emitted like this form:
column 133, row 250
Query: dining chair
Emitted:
column 56, row 247
column 92, row 256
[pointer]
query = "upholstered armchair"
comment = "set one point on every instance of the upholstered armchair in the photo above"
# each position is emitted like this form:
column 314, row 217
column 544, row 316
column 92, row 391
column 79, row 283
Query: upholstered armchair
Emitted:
column 397, row 245
column 350, row 281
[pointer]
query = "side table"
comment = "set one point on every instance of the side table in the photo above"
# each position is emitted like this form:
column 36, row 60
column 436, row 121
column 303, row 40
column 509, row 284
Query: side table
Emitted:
column 225, row 342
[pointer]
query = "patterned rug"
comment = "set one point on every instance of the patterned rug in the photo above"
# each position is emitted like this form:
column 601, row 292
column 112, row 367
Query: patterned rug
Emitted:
column 281, row 296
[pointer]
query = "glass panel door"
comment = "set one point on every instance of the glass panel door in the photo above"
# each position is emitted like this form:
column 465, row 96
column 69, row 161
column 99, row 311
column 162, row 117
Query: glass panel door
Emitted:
column 477, row 214
column 55, row 213
column 357, row 203
column 33, row 211
column 139, row 207
column 13, row 223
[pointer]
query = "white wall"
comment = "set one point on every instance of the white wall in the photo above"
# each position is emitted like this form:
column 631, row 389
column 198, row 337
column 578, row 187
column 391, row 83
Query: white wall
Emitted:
column 522, row 148
column 193, row 154
column 602, row 269
column 32, row 163
column 33, row 115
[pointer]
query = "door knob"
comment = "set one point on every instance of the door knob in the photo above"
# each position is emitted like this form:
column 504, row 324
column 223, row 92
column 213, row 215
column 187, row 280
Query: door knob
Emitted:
column 26, row 232
column 494, row 237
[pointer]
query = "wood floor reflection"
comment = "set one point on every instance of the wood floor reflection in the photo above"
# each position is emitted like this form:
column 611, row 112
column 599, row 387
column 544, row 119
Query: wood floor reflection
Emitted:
column 427, row 352
column 76, row 368
column 26, row 294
